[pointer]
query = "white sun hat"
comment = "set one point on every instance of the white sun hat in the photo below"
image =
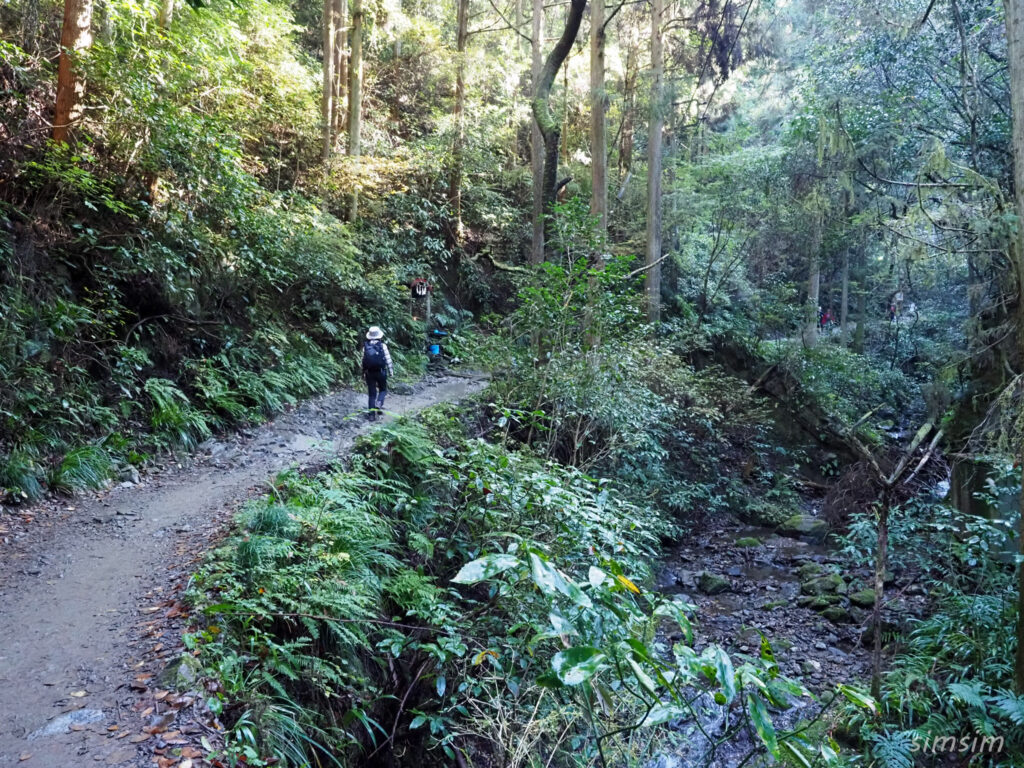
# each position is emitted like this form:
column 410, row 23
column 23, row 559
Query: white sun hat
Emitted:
column 374, row 333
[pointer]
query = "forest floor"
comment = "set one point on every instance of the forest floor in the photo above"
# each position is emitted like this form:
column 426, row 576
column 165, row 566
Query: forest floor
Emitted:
column 89, row 588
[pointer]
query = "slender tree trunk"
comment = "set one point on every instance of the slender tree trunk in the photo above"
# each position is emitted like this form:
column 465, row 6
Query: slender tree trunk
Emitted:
column 519, row 21
column 166, row 16
column 327, row 95
column 628, row 109
column 355, row 95
column 810, row 332
column 536, row 138
column 598, row 105
column 30, row 26
column 652, row 278
column 862, row 319
column 455, row 180
column 844, row 309
column 75, row 37
column 1015, row 55
column 340, row 71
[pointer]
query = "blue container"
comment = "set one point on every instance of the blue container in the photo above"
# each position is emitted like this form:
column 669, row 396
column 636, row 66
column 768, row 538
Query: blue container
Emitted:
column 434, row 349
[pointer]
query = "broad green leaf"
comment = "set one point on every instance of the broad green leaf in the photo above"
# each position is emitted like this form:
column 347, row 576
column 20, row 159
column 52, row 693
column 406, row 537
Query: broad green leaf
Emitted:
column 763, row 723
column 484, row 568
column 551, row 581
column 642, row 677
column 860, row 699
column 724, row 672
column 663, row 713
column 577, row 665
column 442, row 684
column 797, row 753
column 596, row 576
column 561, row 626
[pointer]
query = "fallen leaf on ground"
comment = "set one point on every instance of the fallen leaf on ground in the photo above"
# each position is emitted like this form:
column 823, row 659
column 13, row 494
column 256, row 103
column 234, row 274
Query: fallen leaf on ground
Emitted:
column 78, row 694
column 139, row 738
column 24, row 756
column 111, row 727
column 185, row 764
column 160, row 695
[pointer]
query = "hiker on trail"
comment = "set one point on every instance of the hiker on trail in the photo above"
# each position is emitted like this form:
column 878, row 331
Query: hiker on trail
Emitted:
column 377, row 367
column 892, row 314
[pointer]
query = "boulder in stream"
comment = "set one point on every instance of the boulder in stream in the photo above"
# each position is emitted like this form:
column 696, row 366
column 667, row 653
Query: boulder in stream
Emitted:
column 713, row 584
column 805, row 526
column 830, row 583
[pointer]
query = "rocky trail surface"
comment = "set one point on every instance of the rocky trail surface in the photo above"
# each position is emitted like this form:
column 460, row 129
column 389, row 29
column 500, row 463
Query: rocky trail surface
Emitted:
column 89, row 586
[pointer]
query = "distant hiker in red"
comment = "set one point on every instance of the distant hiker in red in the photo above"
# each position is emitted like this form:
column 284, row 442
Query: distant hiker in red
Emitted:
column 377, row 367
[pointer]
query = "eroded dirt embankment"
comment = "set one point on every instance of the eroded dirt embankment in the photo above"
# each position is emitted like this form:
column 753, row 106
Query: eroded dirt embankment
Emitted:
column 83, row 581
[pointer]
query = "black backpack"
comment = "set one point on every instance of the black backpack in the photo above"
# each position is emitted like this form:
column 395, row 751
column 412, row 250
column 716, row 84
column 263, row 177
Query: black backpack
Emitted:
column 373, row 356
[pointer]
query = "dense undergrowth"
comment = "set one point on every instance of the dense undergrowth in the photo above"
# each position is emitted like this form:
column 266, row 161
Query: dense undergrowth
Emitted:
column 444, row 593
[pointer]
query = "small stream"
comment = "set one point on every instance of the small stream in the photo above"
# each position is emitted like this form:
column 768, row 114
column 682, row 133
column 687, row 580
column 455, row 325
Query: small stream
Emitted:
column 764, row 585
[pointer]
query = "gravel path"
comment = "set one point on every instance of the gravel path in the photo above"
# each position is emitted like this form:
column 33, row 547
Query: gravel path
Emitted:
column 82, row 579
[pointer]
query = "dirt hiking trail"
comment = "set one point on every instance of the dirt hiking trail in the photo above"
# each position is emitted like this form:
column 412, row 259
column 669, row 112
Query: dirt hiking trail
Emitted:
column 85, row 583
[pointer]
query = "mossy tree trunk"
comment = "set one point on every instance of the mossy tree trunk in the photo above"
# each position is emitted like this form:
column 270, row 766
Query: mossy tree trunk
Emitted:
column 546, row 121
column 1015, row 55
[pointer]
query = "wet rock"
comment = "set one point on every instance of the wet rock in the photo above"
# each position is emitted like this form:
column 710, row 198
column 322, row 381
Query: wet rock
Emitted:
column 865, row 598
column 821, row 585
column 836, row 614
column 810, row 570
column 181, row 674
column 819, row 602
column 805, row 526
column 713, row 584
column 811, row 667
column 747, row 542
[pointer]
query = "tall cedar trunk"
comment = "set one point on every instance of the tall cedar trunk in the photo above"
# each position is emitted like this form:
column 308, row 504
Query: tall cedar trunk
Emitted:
column 598, row 105
column 166, row 16
column 75, row 36
column 810, row 332
column 844, row 308
column 340, row 71
column 1015, row 51
column 652, row 255
column 455, row 180
column 881, row 559
column 355, row 95
column 327, row 94
column 536, row 139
